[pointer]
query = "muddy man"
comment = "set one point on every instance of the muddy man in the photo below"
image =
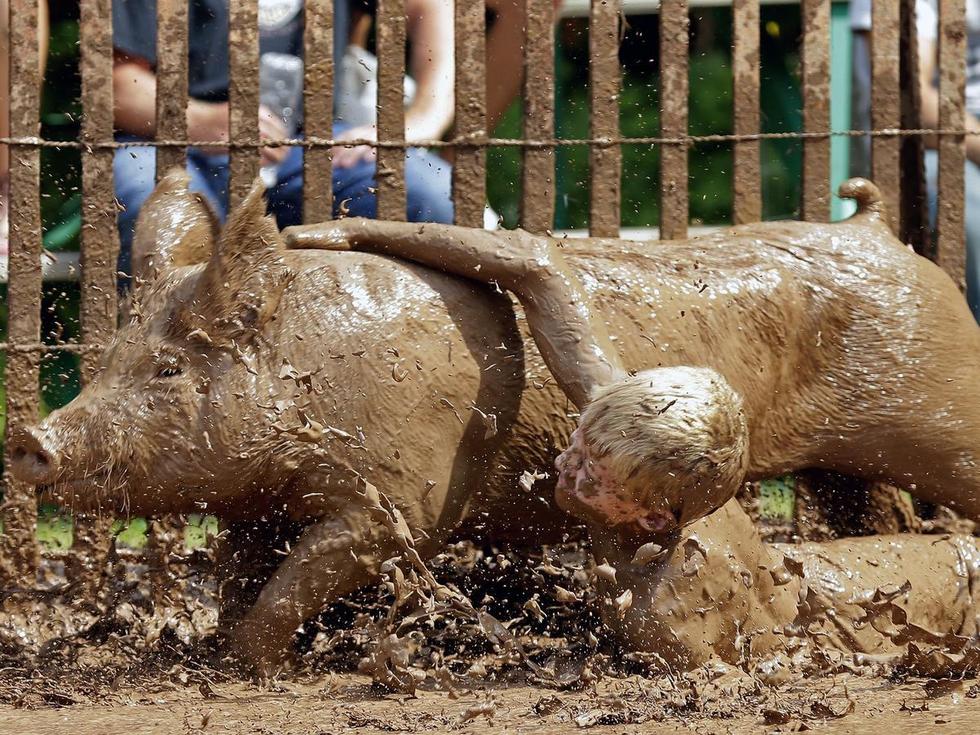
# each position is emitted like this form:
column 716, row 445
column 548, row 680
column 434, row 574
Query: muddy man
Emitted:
column 754, row 388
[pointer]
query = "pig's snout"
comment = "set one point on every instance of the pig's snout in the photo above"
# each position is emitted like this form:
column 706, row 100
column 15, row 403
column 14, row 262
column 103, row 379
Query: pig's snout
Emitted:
column 32, row 458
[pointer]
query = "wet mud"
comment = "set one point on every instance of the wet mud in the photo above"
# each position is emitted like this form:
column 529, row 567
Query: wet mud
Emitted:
column 125, row 667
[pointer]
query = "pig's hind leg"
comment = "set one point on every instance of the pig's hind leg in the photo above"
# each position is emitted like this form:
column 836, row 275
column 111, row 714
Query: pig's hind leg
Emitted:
column 922, row 430
column 332, row 558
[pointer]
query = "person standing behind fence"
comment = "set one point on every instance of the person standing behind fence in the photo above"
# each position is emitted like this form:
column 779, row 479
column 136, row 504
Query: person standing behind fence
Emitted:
column 429, row 88
column 927, row 22
column 281, row 32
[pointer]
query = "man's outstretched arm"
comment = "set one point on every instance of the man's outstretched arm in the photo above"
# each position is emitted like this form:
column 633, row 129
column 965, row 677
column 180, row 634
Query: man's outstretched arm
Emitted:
column 575, row 346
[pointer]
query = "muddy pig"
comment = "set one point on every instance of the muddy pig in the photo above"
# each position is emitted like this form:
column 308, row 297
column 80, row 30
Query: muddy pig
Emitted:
column 253, row 380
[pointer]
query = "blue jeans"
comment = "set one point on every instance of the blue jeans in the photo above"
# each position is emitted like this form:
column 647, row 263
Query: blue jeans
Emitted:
column 427, row 176
column 971, row 204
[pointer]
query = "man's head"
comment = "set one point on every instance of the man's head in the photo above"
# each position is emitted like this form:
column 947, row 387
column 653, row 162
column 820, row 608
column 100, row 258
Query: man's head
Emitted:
column 656, row 451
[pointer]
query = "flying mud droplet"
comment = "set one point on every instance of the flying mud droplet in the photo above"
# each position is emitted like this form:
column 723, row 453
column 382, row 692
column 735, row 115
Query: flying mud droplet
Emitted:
column 529, row 478
column 606, row 572
column 623, row 603
column 647, row 553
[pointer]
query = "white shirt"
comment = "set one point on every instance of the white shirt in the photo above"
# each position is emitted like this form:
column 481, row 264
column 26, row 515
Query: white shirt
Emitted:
column 927, row 22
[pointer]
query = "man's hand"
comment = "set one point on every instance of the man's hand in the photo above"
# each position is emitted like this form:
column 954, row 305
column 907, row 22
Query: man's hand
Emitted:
column 347, row 156
column 271, row 128
column 208, row 121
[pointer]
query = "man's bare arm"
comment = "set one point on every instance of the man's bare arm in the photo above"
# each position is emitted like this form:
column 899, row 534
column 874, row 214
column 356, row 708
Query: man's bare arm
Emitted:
column 575, row 346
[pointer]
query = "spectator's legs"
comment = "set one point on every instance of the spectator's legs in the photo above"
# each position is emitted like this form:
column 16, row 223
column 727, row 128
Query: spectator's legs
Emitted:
column 286, row 197
column 427, row 176
column 133, row 171
column 209, row 175
column 353, row 191
column 972, row 214
column 429, row 180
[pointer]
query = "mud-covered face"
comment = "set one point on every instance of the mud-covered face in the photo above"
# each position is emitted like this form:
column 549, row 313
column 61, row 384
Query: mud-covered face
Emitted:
column 142, row 435
column 169, row 422
column 588, row 487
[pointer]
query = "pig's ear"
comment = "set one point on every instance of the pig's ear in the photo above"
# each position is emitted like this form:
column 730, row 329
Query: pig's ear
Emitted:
column 246, row 275
column 175, row 227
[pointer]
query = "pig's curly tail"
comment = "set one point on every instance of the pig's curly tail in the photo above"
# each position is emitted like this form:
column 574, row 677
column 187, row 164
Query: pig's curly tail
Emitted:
column 868, row 198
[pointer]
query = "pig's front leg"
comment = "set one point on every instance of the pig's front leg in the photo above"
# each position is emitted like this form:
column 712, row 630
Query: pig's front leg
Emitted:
column 332, row 558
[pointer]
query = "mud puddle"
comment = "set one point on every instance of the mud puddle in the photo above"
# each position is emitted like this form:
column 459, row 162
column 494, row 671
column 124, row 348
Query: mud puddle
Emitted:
column 348, row 703
column 126, row 665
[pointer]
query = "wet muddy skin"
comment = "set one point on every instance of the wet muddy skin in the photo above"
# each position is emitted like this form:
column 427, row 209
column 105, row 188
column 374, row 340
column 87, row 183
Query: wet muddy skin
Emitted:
column 265, row 380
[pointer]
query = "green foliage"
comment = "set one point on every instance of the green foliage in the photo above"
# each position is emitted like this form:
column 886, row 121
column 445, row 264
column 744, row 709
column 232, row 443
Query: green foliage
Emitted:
column 777, row 498
column 710, row 112
column 54, row 530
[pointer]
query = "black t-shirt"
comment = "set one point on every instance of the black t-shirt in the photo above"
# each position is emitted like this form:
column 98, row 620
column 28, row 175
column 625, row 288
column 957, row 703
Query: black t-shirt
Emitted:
column 134, row 33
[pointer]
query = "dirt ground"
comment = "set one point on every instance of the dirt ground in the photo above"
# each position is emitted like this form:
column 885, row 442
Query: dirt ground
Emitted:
column 348, row 704
column 123, row 663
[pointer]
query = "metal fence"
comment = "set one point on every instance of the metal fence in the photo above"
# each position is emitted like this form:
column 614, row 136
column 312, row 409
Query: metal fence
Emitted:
column 896, row 150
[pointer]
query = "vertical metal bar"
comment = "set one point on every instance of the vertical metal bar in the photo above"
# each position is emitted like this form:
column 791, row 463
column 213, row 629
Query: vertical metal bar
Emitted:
column 172, row 94
column 950, row 223
column 99, row 236
column 746, row 176
column 605, row 160
column 914, row 213
column 18, row 542
column 171, row 73
column 390, row 42
column 886, row 101
column 99, row 248
column 538, row 186
column 816, row 109
column 470, row 165
column 318, row 109
column 243, row 95
column 674, row 27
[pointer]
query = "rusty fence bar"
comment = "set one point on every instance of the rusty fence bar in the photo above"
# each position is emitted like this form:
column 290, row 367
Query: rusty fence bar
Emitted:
column 674, row 42
column 171, row 123
column 950, row 224
column 318, row 75
column 816, row 109
column 99, row 236
column 538, row 185
column 886, row 100
column 18, row 544
column 605, row 161
column 390, row 41
column 746, row 174
column 470, row 166
column 171, row 74
column 243, row 95
column 99, row 250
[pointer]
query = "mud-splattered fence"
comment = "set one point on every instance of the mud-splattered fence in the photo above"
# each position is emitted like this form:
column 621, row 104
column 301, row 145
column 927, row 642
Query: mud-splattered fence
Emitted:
column 896, row 153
